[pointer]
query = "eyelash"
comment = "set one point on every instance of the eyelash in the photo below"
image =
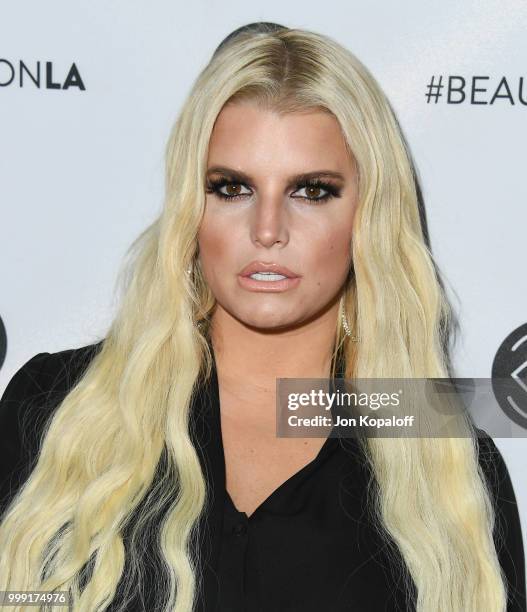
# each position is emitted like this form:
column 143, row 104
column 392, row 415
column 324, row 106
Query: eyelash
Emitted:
column 214, row 186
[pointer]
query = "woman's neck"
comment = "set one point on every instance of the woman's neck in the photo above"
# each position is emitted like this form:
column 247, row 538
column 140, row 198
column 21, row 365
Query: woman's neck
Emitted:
column 249, row 361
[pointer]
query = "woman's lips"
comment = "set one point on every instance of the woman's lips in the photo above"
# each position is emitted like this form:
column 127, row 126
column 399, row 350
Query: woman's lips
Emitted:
column 251, row 284
column 264, row 266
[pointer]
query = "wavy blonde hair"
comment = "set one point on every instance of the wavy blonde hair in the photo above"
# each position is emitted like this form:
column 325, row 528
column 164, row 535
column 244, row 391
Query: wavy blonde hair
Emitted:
column 100, row 450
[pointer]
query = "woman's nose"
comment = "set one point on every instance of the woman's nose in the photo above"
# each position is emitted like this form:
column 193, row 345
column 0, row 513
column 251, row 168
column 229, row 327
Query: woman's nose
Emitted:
column 269, row 220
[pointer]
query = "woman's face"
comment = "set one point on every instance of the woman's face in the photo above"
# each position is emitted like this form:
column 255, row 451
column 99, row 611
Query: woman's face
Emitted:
column 276, row 217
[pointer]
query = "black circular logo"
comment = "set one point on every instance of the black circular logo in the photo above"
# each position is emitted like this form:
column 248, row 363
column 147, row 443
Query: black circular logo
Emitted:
column 509, row 376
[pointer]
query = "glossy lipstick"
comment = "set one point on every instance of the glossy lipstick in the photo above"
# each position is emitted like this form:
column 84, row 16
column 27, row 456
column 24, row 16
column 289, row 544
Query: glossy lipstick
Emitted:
column 267, row 269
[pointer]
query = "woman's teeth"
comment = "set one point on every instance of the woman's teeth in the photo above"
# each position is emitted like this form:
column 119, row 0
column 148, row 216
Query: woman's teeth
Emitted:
column 267, row 276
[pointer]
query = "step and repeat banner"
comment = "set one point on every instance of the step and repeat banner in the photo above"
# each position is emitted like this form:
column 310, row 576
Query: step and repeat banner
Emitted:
column 89, row 92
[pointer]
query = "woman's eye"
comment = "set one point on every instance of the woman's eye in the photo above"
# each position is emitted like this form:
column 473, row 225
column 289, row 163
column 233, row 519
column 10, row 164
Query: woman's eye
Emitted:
column 228, row 190
column 313, row 192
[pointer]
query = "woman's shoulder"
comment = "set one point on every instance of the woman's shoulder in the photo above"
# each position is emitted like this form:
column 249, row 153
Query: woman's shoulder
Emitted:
column 507, row 529
column 495, row 468
column 27, row 403
column 46, row 369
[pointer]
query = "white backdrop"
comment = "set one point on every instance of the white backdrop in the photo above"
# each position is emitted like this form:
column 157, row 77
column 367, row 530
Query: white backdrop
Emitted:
column 81, row 171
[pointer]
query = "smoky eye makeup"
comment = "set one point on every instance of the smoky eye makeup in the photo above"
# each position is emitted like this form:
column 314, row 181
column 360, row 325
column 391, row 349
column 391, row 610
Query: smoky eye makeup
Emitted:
column 317, row 190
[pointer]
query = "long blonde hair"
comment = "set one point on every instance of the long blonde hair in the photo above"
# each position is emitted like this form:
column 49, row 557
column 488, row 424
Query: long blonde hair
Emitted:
column 101, row 448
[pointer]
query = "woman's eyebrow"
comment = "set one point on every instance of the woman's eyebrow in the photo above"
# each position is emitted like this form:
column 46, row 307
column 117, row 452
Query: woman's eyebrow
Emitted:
column 238, row 175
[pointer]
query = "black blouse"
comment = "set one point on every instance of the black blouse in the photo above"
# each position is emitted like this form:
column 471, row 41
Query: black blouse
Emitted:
column 310, row 546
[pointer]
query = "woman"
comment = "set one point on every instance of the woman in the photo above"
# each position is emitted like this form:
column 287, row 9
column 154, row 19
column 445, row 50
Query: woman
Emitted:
column 159, row 482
